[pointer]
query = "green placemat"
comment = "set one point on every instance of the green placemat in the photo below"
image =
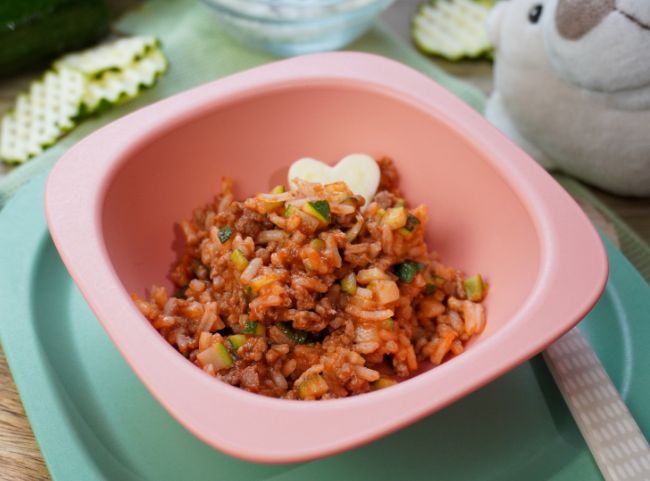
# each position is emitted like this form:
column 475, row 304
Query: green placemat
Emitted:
column 199, row 52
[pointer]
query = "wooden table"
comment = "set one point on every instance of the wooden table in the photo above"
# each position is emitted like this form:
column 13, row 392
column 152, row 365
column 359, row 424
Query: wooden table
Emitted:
column 20, row 457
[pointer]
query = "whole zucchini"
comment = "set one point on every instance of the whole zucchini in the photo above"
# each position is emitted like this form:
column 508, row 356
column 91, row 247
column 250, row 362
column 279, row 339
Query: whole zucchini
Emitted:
column 34, row 31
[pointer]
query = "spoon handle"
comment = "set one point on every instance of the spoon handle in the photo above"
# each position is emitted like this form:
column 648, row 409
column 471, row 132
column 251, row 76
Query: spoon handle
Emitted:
column 613, row 436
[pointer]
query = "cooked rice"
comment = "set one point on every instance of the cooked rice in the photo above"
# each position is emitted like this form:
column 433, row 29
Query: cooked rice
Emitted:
column 326, row 309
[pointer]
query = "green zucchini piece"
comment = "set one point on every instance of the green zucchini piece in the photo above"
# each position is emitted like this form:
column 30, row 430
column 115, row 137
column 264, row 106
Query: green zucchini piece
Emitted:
column 114, row 87
column 34, row 31
column 453, row 29
column 117, row 55
column 406, row 270
column 474, row 288
column 253, row 327
column 237, row 341
column 239, row 259
column 319, row 209
column 41, row 116
column 312, row 387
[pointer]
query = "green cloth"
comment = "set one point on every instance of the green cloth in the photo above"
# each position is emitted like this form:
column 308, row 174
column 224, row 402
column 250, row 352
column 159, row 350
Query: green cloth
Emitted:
column 199, row 52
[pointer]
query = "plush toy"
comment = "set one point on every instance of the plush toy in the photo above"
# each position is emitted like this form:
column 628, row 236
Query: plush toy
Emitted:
column 572, row 87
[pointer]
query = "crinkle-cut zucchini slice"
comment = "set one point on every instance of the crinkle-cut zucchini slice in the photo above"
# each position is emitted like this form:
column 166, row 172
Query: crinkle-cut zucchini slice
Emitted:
column 42, row 115
column 115, row 55
column 113, row 87
column 453, row 29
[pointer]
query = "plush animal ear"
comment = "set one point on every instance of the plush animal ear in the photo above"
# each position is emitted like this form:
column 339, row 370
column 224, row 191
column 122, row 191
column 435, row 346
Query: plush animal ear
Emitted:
column 494, row 20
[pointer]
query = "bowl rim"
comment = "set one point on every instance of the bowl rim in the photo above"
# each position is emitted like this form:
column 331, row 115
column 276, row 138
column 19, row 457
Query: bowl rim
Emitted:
column 372, row 7
column 74, row 197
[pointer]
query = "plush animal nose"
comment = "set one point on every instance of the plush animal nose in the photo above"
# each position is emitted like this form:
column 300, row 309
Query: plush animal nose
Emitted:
column 575, row 18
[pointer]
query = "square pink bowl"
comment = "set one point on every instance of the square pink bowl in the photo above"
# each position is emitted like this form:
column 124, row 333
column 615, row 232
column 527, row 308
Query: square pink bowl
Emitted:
column 113, row 199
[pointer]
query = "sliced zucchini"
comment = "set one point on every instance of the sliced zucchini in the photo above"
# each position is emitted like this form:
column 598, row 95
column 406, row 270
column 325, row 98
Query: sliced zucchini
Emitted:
column 453, row 29
column 113, row 87
column 42, row 115
column 116, row 56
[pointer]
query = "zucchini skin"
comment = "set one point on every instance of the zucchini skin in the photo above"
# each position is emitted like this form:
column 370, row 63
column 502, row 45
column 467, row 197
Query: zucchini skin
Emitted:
column 34, row 31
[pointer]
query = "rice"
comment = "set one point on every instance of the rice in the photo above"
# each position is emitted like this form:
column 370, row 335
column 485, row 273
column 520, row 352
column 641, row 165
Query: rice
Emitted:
column 311, row 294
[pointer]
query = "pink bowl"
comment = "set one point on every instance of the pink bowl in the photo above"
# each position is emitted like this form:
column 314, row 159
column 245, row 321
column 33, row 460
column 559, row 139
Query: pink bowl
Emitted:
column 113, row 199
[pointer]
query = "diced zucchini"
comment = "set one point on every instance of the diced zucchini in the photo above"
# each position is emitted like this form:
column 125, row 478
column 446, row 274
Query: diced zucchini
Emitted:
column 41, row 116
column 237, row 341
column 312, row 387
column 216, row 355
column 406, row 270
column 224, row 234
column 278, row 189
column 317, row 244
column 382, row 383
column 255, row 328
column 395, row 218
column 474, row 288
column 453, row 29
column 349, row 284
column 290, row 210
column 296, row 335
column 239, row 259
column 411, row 223
column 320, row 209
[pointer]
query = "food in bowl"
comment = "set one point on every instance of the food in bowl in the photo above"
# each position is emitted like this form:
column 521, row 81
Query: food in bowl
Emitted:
column 312, row 294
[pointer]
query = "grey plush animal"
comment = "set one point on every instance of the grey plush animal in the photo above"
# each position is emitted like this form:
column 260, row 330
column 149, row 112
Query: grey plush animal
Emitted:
column 572, row 87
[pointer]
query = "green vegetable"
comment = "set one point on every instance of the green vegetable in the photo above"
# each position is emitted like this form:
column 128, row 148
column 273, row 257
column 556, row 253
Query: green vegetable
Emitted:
column 349, row 284
column 237, row 341
column 474, row 288
column 223, row 357
column 389, row 324
column 429, row 288
column 278, row 189
column 256, row 328
column 290, row 210
column 313, row 386
column 453, row 29
column 224, row 234
column 296, row 335
column 34, row 31
column 41, row 116
column 317, row 244
column 406, row 270
column 115, row 86
column 239, row 259
column 319, row 209
column 117, row 55
column 382, row 383
column 411, row 223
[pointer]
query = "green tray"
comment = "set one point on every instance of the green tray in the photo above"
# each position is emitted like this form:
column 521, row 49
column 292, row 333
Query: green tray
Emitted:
column 95, row 421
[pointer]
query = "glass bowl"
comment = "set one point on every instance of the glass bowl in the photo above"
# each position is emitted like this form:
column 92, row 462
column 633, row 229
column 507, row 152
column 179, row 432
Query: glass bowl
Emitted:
column 294, row 27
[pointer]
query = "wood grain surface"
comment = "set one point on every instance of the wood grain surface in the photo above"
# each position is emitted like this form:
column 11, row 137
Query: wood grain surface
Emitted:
column 20, row 457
